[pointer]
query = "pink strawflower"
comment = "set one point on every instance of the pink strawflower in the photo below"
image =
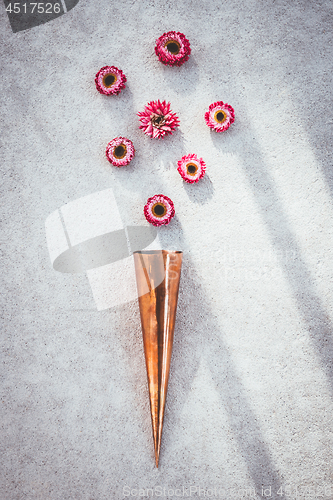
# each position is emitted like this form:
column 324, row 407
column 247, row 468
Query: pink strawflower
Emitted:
column 157, row 120
column 120, row 151
column 172, row 48
column 159, row 210
column 191, row 168
column 220, row 116
column 110, row 80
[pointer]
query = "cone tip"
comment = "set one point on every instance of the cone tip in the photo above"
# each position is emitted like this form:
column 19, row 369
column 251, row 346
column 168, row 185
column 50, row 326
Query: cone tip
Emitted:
column 157, row 457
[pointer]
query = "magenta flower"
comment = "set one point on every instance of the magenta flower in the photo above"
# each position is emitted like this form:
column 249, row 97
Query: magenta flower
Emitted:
column 157, row 120
column 110, row 80
column 172, row 48
column 191, row 168
column 120, row 151
column 220, row 116
column 159, row 210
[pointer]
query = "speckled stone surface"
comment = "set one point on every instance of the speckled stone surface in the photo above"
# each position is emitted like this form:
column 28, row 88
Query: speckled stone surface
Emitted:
column 249, row 408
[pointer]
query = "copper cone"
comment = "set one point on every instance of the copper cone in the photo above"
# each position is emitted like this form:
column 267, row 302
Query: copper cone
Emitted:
column 157, row 277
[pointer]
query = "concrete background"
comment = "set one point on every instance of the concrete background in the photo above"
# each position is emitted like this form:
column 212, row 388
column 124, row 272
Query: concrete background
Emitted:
column 250, row 391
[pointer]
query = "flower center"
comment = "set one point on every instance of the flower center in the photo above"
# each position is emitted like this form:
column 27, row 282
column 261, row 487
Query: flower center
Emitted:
column 159, row 210
column 172, row 46
column 120, row 151
column 109, row 79
column 157, row 121
column 220, row 116
column 191, row 168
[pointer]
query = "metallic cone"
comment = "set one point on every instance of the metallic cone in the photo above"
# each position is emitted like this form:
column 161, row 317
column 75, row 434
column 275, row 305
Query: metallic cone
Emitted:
column 157, row 276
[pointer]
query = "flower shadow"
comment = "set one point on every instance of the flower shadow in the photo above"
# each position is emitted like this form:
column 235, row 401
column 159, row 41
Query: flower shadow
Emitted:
column 229, row 140
column 171, row 149
column 184, row 79
column 121, row 110
column 283, row 239
column 200, row 192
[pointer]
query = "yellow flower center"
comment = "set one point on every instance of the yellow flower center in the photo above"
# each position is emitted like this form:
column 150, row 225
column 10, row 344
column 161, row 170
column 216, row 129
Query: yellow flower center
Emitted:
column 191, row 168
column 172, row 46
column 120, row 151
column 159, row 209
column 109, row 79
column 220, row 116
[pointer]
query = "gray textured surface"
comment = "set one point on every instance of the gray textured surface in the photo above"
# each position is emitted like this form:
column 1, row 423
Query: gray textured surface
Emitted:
column 250, row 393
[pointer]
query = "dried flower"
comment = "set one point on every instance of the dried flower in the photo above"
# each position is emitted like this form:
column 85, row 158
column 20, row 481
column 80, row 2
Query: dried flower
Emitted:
column 172, row 48
column 191, row 168
column 110, row 80
column 120, row 151
column 157, row 120
column 220, row 116
column 159, row 210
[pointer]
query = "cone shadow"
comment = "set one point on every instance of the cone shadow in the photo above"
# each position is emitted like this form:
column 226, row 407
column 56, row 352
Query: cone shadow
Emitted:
column 203, row 338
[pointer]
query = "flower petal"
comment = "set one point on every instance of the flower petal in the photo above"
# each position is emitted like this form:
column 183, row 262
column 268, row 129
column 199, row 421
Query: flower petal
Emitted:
column 229, row 116
column 180, row 52
column 118, row 84
column 183, row 170
column 152, row 125
column 163, row 219
column 129, row 151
